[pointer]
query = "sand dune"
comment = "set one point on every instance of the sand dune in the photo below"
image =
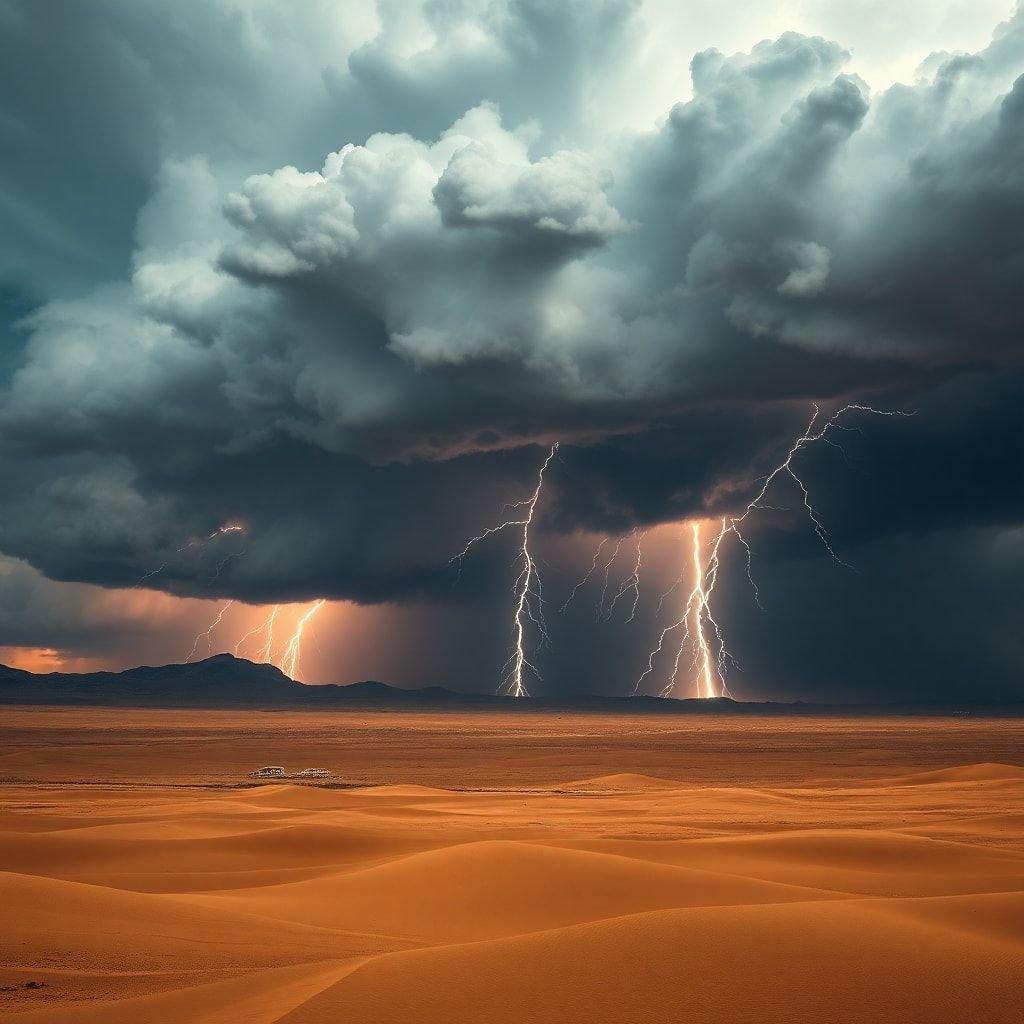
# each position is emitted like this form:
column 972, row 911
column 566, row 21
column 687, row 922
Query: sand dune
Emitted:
column 865, row 863
column 256, row 998
column 119, row 943
column 987, row 772
column 291, row 846
column 615, row 896
column 45, row 916
column 488, row 889
column 836, row 962
column 620, row 782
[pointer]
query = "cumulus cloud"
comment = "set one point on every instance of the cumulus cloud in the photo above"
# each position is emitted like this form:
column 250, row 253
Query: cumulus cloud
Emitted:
column 293, row 223
column 560, row 197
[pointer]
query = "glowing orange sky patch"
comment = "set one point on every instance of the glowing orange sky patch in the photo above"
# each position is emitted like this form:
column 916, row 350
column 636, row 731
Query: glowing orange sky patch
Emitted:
column 47, row 659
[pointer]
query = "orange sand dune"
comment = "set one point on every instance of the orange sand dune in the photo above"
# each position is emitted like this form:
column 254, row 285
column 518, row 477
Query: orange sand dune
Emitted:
column 479, row 868
column 261, row 998
column 620, row 782
column 809, row 962
column 965, row 773
column 499, row 888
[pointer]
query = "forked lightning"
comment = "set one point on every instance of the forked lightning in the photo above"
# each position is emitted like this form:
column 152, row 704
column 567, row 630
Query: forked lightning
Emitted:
column 698, row 630
column 527, row 588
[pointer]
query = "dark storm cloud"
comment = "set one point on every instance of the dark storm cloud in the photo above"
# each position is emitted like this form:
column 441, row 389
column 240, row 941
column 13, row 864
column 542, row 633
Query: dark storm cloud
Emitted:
column 925, row 616
column 955, row 461
column 35, row 613
column 343, row 279
column 537, row 59
column 102, row 97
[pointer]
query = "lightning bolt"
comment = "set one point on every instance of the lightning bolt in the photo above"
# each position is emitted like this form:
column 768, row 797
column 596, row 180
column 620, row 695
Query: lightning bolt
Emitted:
column 631, row 582
column 267, row 649
column 585, row 578
column 697, row 627
column 711, row 678
column 195, row 542
column 290, row 657
column 694, row 623
column 207, row 633
column 599, row 612
column 604, row 608
column 527, row 588
column 267, row 628
column 152, row 572
column 226, row 528
column 224, row 561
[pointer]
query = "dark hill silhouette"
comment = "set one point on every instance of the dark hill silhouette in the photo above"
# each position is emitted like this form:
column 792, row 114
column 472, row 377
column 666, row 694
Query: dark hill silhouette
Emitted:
column 220, row 681
column 220, row 677
column 224, row 681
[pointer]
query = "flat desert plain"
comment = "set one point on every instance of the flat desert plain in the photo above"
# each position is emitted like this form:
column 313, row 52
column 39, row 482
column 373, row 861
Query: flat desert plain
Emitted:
column 520, row 867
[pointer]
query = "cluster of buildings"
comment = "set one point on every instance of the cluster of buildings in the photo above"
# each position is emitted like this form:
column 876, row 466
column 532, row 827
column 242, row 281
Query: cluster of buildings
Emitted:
column 276, row 771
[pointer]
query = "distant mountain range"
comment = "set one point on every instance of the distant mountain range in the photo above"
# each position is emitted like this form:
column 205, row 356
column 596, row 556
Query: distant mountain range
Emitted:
column 224, row 681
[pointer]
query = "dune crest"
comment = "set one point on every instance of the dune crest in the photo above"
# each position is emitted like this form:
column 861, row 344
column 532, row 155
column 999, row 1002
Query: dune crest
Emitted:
column 621, row 782
column 983, row 772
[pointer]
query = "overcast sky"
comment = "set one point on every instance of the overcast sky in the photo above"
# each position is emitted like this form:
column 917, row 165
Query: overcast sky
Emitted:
column 342, row 273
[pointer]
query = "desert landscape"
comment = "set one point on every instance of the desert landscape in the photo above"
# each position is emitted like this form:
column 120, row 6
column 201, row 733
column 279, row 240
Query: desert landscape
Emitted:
column 511, row 512
column 509, row 867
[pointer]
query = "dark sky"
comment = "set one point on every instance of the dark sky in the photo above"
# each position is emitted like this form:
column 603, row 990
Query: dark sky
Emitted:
column 343, row 278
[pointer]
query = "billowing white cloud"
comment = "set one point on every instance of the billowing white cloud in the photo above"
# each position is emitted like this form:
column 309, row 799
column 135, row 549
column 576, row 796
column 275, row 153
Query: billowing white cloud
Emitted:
column 293, row 223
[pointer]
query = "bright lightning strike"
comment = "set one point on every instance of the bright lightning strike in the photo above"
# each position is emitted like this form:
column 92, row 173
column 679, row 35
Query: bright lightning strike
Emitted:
column 711, row 680
column 227, row 528
column 697, row 627
column 527, row 588
column 695, row 623
column 290, row 657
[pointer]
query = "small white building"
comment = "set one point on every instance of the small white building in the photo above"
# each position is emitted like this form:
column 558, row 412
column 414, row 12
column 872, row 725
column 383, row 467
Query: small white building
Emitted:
column 271, row 771
column 313, row 773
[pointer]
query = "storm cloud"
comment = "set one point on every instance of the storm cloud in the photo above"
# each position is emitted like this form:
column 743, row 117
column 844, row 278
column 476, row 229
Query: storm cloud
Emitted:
column 343, row 280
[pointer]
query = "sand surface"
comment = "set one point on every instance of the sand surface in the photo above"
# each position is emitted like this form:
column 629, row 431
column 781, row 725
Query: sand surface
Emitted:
column 522, row 868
